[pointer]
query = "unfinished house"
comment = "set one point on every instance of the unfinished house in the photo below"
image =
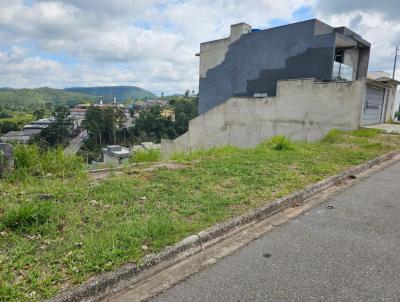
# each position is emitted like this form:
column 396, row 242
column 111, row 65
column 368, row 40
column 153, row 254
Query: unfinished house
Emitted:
column 116, row 154
column 299, row 80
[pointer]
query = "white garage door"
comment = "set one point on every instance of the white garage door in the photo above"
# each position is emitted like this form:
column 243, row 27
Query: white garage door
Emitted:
column 373, row 106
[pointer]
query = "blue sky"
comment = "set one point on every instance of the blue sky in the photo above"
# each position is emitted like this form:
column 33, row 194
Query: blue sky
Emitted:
column 151, row 43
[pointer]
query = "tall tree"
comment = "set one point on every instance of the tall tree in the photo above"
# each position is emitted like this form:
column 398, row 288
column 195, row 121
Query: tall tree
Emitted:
column 102, row 125
column 151, row 125
column 39, row 113
column 60, row 130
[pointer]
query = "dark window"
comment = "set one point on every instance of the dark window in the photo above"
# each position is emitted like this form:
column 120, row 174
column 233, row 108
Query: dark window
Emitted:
column 339, row 54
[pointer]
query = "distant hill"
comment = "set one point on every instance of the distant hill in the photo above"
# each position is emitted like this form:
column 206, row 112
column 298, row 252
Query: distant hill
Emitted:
column 121, row 93
column 27, row 99
column 22, row 99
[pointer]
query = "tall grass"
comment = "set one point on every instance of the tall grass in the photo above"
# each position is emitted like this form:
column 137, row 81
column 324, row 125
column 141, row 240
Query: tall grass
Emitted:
column 332, row 136
column 366, row 132
column 25, row 216
column 30, row 160
column 201, row 153
column 336, row 135
column 146, row 156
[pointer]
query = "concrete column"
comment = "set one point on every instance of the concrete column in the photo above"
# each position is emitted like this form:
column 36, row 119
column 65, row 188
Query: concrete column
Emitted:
column 237, row 30
column 363, row 60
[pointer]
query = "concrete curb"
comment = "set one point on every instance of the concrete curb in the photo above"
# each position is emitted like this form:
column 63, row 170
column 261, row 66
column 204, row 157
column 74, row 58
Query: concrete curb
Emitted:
column 97, row 287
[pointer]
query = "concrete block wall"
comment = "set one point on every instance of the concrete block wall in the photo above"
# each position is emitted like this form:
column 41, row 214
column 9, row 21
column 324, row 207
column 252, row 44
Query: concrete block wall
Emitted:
column 6, row 158
column 302, row 110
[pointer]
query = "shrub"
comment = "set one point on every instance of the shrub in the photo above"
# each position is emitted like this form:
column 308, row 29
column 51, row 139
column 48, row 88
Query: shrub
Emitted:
column 55, row 161
column 146, row 156
column 280, row 143
column 23, row 217
column 332, row 136
column 26, row 159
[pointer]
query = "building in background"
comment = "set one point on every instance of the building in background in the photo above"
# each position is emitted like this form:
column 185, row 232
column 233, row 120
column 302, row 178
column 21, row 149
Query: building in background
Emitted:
column 250, row 62
column 145, row 146
column 381, row 89
column 21, row 137
column 299, row 80
column 79, row 111
column 115, row 154
column 27, row 132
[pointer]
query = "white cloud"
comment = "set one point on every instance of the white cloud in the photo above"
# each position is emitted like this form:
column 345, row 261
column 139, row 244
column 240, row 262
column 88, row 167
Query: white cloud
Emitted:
column 383, row 34
column 26, row 70
column 151, row 43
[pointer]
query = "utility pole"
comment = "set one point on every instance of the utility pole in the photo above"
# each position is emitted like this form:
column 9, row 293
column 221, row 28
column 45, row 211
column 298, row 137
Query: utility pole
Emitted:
column 395, row 61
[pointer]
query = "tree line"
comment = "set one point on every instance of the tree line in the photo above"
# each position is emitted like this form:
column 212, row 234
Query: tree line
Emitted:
column 108, row 125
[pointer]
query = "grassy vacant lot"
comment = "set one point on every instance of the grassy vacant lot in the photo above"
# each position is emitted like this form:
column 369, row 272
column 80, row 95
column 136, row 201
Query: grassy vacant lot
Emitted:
column 57, row 230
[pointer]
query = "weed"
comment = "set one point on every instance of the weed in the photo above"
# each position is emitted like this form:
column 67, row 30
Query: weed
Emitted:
column 146, row 156
column 280, row 142
column 366, row 132
column 24, row 217
column 30, row 160
column 332, row 136
column 216, row 152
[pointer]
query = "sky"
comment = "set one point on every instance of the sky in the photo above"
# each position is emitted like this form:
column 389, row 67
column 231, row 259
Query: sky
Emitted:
column 152, row 43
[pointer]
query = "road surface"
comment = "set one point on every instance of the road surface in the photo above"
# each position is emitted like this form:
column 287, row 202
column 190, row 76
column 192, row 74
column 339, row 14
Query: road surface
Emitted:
column 75, row 144
column 350, row 252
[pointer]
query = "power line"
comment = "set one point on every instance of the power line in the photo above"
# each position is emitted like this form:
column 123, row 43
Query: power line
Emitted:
column 395, row 61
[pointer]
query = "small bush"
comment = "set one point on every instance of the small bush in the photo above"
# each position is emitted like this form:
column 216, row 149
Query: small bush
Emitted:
column 146, row 156
column 280, row 142
column 332, row 136
column 23, row 217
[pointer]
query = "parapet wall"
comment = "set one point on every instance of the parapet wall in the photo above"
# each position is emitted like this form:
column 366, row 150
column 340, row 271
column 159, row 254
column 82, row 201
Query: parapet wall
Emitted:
column 302, row 110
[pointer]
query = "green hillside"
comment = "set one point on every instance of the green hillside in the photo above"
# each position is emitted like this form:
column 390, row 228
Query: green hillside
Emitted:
column 121, row 93
column 30, row 99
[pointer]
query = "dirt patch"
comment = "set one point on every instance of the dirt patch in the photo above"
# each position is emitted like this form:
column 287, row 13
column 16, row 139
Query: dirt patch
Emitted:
column 98, row 176
column 104, row 174
column 168, row 165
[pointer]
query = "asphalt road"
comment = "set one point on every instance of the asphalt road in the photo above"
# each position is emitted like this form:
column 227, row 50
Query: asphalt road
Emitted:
column 350, row 252
column 75, row 144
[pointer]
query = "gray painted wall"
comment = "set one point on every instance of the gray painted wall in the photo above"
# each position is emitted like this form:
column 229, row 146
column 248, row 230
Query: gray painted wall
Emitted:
column 256, row 61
